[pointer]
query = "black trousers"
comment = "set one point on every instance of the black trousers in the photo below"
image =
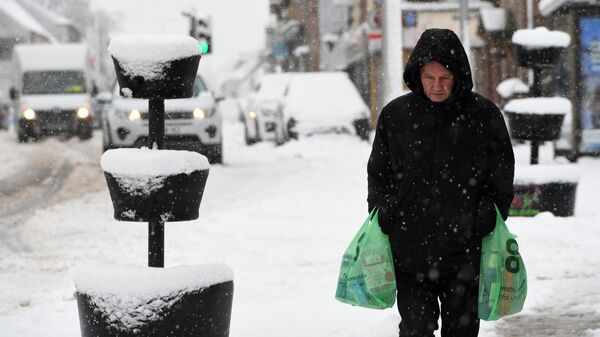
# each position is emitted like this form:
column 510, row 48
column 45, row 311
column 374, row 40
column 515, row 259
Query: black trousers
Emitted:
column 454, row 282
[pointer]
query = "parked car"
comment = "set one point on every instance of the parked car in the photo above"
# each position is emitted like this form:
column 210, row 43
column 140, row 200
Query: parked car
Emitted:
column 325, row 102
column 193, row 124
column 4, row 116
column 292, row 105
column 263, row 115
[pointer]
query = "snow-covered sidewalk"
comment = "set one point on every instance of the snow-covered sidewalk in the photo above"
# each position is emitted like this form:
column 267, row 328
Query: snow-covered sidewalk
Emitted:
column 281, row 218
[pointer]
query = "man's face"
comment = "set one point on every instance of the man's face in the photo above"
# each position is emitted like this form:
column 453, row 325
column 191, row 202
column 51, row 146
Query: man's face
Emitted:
column 437, row 81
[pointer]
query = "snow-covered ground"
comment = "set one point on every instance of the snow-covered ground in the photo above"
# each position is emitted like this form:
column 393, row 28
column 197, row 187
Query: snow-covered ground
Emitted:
column 280, row 217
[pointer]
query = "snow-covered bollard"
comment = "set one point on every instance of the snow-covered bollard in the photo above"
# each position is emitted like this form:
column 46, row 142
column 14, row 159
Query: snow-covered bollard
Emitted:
column 536, row 119
column 545, row 188
column 539, row 47
column 117, row 300
column 155, row 185
column 155, row 66
column 149, row 184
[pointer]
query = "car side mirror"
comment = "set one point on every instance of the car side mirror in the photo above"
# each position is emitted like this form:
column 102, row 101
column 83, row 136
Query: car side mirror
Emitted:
column 13, row 94
column 219, row 98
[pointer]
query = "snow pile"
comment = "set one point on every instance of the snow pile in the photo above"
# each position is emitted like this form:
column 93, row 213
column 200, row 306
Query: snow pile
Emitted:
column 540, row 105
column 143, row 171
column 146, row 55
column 511, row 86
column 131, row 296
column 545, row 174
column 541, row 37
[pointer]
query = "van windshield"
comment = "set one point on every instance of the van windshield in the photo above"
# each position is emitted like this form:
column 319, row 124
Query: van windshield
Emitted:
column 53, row 82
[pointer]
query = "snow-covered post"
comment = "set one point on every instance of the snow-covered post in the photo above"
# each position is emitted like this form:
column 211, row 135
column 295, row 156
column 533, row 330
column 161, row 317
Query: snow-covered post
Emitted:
column 155, row 185
column 539, row 119
column 392, row 49
column 155, row 68
column 538, row 49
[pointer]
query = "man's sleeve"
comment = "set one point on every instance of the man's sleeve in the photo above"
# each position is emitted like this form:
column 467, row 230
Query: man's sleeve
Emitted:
column 382, row 191
column 502, row 164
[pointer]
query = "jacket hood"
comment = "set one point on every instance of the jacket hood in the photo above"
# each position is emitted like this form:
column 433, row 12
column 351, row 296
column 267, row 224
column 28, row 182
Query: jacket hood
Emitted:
column 443, row 46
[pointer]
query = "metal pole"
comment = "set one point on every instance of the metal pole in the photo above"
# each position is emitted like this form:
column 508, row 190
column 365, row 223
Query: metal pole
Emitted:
column 393, row 60
column 156, row 140
column 156, row 123
column 156, row 243
column 535, row 145
column 466, row 36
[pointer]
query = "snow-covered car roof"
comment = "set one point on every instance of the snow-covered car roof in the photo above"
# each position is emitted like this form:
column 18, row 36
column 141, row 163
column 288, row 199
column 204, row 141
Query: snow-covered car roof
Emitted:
column 323, row 100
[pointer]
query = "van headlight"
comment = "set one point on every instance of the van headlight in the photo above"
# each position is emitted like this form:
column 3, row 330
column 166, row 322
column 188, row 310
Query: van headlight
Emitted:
column 252, row 114
column 134, row 115
column 29, row 114
column 198, row 114
column 83, row 112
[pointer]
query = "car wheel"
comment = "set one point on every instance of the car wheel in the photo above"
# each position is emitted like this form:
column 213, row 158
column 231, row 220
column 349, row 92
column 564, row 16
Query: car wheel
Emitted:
column 214, row 153
column 85, row 135
column 249, row 141
column 22, row 137
column 362, row 128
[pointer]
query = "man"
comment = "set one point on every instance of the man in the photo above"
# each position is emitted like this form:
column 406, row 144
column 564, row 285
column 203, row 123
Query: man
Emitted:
column 441, row 160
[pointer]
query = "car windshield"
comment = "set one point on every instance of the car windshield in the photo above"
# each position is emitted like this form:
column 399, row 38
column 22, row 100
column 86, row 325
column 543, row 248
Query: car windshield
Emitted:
column 53, row 82
column 199, row 86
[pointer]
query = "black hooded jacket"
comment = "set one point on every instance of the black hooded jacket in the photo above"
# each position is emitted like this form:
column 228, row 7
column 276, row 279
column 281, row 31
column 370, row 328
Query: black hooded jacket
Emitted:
column 437, row 169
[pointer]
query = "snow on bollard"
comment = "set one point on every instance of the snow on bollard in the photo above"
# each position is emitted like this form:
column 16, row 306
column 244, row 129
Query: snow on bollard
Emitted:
column 155, row 66
column 149, row 184
column 539, row 47
column 545, row 188
column 116, row 300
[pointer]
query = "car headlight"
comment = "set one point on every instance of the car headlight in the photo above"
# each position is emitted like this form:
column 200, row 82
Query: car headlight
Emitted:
column 252, row 114
column 29, row 114
column 134, row 115
column 83, row 112
column 198, row 113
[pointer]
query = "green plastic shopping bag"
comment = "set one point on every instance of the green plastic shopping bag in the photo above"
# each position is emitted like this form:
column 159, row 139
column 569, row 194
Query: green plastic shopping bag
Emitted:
column 367, row 276
column 502, row 276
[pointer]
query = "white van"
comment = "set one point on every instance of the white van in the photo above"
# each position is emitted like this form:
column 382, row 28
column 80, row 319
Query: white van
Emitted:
column 51, row 91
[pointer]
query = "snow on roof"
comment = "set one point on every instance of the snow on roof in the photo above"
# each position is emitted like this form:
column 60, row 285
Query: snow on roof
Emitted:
column 544, row 174
column 54, row 17
column 441, row 6
column 47, row 56
column 130, row 296
column 14, row 10
column 146, row 54
column 541, row 37
column 493, row 19
column 539, row 105
column 152, row 163
column 546, row 7
column 511, row 86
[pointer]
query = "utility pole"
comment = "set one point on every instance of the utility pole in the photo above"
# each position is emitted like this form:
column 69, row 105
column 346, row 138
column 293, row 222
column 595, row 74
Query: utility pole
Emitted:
column 393, row 60
column 465, row 36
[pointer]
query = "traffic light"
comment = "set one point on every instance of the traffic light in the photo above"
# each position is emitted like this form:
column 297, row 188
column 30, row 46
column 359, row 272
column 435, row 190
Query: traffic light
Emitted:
column 203, row 35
